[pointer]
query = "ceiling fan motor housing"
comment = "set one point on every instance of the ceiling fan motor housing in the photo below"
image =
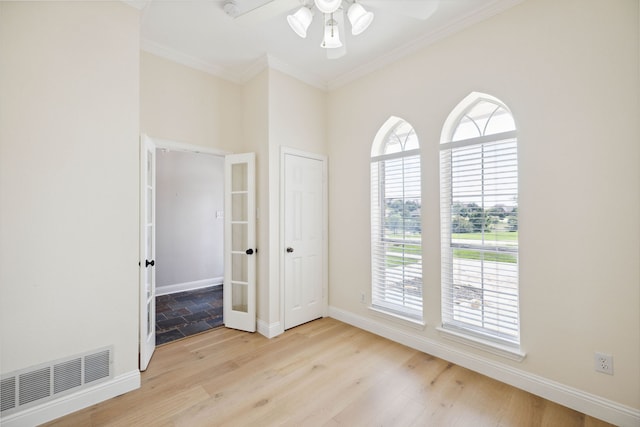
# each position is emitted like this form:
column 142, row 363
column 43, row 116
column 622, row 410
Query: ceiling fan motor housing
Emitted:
column 328, row 6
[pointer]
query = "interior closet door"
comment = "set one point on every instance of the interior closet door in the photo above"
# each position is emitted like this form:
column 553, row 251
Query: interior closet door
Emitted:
column 239, row 299
column 304, row 238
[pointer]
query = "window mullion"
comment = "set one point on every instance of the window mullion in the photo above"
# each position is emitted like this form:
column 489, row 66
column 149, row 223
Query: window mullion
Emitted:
column 484, row 222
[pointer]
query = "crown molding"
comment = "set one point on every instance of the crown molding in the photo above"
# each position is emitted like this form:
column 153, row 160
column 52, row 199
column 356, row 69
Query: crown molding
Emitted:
column 249, row 72
column 271, row 62
column 305, row 77
column 471, row 18
column 188, row 60
column 255, row 68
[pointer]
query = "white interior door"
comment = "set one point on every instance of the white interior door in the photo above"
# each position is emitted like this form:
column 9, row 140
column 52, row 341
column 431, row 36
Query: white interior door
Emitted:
column 147, row 251
column 239, row 294
column 304, row 239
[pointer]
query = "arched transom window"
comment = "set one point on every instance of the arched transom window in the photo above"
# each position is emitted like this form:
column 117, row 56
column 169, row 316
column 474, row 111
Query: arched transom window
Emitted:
column 396, row 229
column 479, row 218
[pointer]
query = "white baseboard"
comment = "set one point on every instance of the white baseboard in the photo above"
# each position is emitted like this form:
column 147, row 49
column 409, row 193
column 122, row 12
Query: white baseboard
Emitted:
column 269, row 330
column 57, row 408
column 573, row 398
column 188, row 286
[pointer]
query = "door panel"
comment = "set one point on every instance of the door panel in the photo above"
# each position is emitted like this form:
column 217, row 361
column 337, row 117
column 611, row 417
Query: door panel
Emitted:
column 147, row 251
column 239, row 300
column 303, row 238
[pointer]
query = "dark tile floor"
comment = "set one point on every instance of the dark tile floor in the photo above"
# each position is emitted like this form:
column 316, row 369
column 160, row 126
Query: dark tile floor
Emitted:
column 186, row 313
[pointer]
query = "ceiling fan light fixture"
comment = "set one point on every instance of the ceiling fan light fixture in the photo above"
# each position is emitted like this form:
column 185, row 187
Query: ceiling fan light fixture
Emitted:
column 360, row 19
column 300, row 21
column 328, row 6
column 331, row 36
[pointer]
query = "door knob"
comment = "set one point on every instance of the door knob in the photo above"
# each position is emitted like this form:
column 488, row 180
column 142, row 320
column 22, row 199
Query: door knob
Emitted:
column 249, row 252
column 289, row 250
column 148, row 263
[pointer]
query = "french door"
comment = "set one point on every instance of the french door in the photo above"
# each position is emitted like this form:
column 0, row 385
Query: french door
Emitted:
column 239, row 294
column 147, row 250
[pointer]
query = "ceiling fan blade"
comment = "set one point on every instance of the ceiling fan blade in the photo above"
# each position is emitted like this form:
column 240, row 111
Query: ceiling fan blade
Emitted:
column 419, row 9
column 266, row 11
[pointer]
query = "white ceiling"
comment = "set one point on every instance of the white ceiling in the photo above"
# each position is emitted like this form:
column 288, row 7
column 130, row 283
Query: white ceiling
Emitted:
column 200, row 34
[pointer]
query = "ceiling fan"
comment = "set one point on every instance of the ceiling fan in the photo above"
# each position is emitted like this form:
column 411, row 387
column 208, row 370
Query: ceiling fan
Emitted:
column 333, row 12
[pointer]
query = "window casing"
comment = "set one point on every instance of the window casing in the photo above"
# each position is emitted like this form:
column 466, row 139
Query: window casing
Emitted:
column 396, row 229
column 479, row 220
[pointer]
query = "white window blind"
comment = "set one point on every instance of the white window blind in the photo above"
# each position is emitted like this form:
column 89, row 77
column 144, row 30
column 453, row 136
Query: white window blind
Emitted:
column 479, row 217
column 396, row 229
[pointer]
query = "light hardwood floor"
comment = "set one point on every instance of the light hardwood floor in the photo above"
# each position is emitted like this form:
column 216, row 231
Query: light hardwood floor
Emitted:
column 324, row 373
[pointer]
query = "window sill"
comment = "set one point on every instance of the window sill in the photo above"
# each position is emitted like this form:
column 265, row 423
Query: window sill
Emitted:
column 482, row 344
column 400, row 320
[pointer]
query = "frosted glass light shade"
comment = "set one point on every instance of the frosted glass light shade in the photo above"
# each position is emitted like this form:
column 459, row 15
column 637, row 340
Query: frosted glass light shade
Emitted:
column 331, row 37
column 300, row 21
column 328, row 6
column 360, row 19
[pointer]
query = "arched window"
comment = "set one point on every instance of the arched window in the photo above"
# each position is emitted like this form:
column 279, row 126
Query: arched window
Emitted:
column 396, row 229
column 479, row 218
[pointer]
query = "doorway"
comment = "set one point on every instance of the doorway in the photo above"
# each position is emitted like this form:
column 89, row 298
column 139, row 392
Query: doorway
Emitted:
column 238, row 237
column 189, row 243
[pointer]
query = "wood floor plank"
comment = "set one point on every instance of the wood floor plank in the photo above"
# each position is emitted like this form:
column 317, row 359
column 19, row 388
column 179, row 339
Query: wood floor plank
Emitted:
column 320, row 385
column 324, row 373
column 357, row 374
column 290, row 378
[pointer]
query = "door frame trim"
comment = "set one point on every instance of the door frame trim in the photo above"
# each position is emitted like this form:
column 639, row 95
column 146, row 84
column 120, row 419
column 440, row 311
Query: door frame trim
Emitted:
column 325, row 229
column 167, row 144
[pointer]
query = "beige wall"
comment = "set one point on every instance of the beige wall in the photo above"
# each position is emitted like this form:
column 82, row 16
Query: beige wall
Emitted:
column 297, row 114
column 297, row 119
column 569, row 72
column 181, row 104
column 278, row 111
column 69, row 76
column 189, row 233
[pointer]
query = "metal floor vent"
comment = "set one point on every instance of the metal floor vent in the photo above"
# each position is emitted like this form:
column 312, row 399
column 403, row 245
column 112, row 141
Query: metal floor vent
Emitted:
column 39, row 384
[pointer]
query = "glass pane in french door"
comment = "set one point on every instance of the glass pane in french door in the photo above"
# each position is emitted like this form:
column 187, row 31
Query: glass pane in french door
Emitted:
column 240, row 297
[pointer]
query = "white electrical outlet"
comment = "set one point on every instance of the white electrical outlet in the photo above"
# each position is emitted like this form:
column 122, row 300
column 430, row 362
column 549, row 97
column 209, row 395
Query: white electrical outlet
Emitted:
column 362, row 297
column 604, row 363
